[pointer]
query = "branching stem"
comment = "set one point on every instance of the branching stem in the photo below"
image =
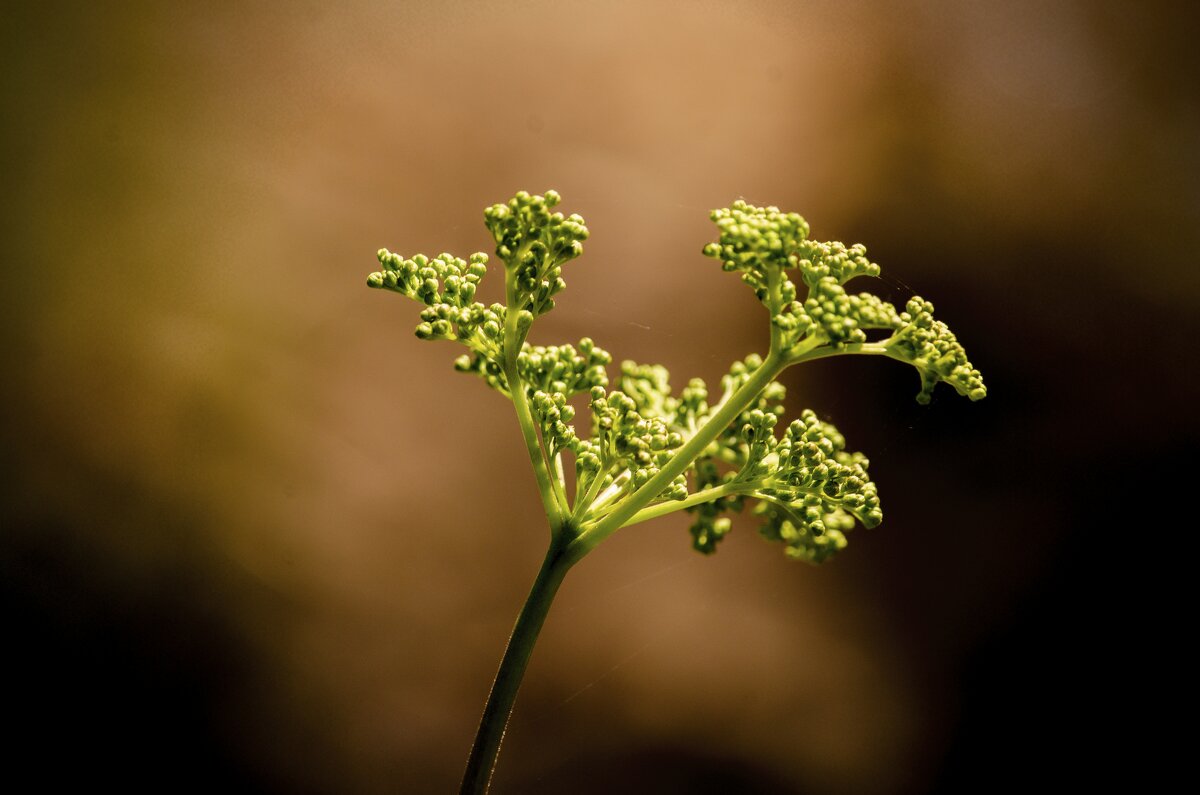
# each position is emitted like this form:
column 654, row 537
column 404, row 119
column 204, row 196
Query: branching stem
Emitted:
column 716, row 423
column 699, row 498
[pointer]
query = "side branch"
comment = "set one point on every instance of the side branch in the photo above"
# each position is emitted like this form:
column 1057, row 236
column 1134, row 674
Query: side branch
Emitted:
column 801, row 354
column 699, row 498
column 514, row 338
column 683, row 457
column 537, row 456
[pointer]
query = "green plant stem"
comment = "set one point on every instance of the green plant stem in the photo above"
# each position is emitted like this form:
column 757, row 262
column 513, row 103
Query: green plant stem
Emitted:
column 824, row 352
column 513, row 340
column 707, row 495
column 533, row 446
column 499, row 705
column 771, row 367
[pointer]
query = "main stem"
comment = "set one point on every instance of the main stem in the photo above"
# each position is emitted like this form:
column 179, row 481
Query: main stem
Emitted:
column 499, row 705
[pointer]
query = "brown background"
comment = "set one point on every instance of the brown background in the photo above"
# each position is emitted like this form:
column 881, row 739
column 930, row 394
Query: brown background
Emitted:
column 258, row 537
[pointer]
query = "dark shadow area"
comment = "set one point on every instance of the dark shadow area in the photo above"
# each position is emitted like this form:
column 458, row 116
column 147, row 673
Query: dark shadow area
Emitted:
column 128, row 661
column 650, row 768
column 1072, row 690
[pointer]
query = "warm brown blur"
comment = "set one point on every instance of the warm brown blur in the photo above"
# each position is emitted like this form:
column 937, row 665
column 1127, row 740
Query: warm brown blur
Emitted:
column 256, row 536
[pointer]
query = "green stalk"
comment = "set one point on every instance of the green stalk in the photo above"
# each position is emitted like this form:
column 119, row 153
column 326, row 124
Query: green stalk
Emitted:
column 700, row 497
column 771, row 367
column 533, row 446
column 513, row 340
column 499, row 705
column 823, row 352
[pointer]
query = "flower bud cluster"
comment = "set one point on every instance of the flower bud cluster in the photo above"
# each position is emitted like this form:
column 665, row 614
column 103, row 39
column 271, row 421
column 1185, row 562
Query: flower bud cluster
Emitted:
column 812, row 460
column 553, row 415
column 931, row 347
column 446, row 285
column 709, row 524
column 756, row 238
column 649, row 386
column 624, row 440
column 796, row 527
column 839, row 318
column 534, row 243
column 485, row 365
column 564, row 369
column 761, row 243
column 810, row 490
column 833, row 260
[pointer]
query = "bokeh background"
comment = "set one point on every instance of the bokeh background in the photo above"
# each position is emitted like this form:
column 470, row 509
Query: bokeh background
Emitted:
column 257, row 537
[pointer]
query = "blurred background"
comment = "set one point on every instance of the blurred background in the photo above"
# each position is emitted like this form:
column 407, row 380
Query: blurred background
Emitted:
column 257, row 537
